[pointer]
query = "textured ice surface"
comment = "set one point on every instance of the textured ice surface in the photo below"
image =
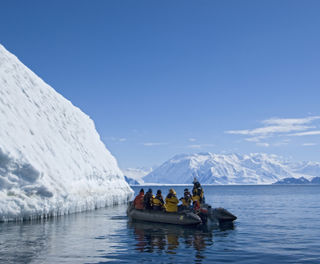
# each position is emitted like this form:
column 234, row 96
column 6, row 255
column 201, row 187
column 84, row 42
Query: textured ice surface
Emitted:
column 52, row 161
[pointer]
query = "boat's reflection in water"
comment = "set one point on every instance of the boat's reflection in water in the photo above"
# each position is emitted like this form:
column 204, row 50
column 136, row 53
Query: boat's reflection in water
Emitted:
column 170, row 239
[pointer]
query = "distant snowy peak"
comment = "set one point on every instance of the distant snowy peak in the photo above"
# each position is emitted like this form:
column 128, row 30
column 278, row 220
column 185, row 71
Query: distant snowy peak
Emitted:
column 52, row 160
column 209, row 168
column 301, row 180
column 306, row 168
column 291, row 180
column 134, row 176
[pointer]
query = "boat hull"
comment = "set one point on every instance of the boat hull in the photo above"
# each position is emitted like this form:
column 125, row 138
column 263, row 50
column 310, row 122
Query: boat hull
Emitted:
column 219, row 215
column 183, row 218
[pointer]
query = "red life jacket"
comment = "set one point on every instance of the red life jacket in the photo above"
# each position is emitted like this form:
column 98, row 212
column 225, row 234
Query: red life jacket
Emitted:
column 138, row 201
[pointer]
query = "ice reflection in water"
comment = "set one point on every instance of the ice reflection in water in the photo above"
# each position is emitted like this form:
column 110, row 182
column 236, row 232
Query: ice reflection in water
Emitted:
column 76, row 238
column 276, row 224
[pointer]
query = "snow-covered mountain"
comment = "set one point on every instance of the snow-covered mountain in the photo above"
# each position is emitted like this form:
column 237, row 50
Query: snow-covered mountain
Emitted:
column 308, row 168
column 209, row 168
column 287, row 181
column 134, row 176
column 301, row 180
column 52, row 161
column 315, row 180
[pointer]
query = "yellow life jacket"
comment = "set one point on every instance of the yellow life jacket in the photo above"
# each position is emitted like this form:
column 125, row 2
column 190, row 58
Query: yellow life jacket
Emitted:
column 196, row 198
column 157, row 201
column 186, row 202
column 197, row 194
column 171, row 203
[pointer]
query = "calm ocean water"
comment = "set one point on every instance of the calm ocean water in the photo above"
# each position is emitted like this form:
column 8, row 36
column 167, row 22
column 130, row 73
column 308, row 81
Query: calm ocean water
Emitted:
column 276, row 224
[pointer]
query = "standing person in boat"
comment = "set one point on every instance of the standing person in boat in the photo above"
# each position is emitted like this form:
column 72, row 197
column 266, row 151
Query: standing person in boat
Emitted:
column 138, row 202
column 148, row 199
column 197, row 194
column 171, row 201
column 158, row 202
column 186, row 199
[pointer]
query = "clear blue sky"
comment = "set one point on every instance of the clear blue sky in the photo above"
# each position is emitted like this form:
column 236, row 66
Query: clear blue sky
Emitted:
column 161, row 78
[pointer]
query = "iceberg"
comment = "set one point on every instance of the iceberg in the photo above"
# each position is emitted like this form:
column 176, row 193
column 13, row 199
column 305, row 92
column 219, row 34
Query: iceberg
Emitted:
column 52, row 161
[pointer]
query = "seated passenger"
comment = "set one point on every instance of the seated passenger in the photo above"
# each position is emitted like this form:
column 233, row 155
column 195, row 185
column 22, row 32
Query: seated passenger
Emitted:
column 148, row 200
column 158, row 201
column 171, row 202
column 186, row 199
column 138, row 201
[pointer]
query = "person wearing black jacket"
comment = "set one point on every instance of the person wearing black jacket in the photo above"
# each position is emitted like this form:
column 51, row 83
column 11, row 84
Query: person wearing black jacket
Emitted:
column 147, row 199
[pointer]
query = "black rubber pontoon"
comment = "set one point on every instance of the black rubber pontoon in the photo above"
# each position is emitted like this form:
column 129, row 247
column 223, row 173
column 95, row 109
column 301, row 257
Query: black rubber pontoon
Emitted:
column 183, row 218
column 219, row 215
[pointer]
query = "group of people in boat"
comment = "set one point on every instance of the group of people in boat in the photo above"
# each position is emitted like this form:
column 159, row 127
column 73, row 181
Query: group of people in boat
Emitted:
column 170, row 204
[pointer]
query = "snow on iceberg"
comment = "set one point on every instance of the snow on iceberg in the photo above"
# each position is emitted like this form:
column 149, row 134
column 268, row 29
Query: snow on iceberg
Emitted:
column 52, row 161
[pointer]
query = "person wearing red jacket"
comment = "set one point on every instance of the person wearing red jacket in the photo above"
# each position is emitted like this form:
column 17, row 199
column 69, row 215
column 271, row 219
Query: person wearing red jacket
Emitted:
column 138, row 201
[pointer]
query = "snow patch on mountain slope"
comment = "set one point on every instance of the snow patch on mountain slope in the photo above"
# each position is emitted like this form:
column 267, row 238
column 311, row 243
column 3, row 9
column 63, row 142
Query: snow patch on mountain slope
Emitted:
column 209, row 168
column 52, row 161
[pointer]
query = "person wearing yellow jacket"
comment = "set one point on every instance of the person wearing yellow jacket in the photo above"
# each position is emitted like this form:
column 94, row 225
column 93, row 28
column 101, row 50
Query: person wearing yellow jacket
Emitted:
column 158, row 201
column 186, row 199
column 171, row 202
column 197, row 192
column 197, row 195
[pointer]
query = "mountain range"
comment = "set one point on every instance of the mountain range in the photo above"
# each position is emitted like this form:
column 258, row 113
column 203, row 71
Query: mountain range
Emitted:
column 210, row 168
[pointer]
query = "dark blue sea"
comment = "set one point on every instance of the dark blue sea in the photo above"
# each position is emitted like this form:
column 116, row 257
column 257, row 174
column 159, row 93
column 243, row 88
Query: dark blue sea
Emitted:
column 276, row 224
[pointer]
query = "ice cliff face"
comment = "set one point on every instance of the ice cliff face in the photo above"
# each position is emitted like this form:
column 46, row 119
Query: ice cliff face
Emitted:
column 52, row 161
column 212, row 168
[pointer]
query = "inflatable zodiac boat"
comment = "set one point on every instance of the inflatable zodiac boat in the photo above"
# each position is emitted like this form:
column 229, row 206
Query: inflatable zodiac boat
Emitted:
column 186, row 217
